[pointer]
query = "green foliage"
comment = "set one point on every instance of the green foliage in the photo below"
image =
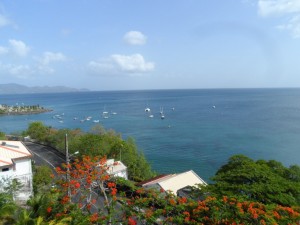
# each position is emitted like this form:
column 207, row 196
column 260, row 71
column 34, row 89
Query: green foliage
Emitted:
column 37, row 130
column 2, row 136
column 7, row 205
column 268, row 182
column 98, row 142
column 41, row 179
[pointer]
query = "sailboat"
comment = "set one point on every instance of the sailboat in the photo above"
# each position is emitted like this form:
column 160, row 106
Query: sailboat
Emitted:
column 162, row 115
column 105, row 113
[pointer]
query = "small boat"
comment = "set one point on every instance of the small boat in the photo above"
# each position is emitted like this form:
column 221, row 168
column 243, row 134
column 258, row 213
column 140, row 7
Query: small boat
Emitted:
column 151, row 116
column 162, row 115
column 105, row 114
column 96, row 121
column 147, row 109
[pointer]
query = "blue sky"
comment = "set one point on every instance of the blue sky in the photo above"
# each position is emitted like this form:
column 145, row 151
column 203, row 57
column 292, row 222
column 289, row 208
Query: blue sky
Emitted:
column 150, row 44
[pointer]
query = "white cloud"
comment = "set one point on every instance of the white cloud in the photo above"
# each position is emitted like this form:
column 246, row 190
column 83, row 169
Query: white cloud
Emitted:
column 3, row 21
column 3, row 50
column 293, row 26
column 278, row 7
column 135, row 38
column 19, row 47
column 49, row 57
column 20, row 71
column 132, row 63
column 286, row 9
column 117, row 64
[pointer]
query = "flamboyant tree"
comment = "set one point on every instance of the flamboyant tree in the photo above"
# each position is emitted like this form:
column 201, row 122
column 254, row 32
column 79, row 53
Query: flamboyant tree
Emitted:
column 85, row 185
column 87, row 194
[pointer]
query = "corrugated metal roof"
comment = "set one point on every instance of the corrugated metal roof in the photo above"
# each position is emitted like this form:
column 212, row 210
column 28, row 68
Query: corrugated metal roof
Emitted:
column 181, row 180
column 116, row 167
column 10, row 150
column 174, row 182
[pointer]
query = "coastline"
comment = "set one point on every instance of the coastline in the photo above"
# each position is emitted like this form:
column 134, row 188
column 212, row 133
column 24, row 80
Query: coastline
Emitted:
column 25, row 113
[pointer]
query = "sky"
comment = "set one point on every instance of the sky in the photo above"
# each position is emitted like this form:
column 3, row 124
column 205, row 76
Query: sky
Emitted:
column 150, row 44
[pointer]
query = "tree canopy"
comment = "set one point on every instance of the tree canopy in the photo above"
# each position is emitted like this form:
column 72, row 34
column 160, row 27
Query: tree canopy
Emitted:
column 263, row 181
column 97, row 142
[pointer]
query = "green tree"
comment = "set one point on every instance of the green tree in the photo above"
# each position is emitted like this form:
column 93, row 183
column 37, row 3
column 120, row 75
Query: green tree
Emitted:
column 37, row 130
column 2, row 136
column 41, row 179
column 262, row 181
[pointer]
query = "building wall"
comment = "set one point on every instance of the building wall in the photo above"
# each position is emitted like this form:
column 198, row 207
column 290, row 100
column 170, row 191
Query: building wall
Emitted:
column 122, row 174
column 5, row 174
column 22, row 171
column 23, row 166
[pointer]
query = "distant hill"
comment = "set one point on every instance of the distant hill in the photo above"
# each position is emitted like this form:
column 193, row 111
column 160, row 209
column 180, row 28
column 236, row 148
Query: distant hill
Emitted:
column 22, row 89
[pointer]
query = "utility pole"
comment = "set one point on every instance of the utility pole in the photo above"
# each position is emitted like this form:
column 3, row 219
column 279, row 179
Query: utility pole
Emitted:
column 68, row 165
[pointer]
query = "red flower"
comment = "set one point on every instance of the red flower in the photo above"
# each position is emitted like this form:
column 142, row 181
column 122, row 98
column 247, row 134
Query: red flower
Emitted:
column 131, row 221
column 113, row 191
column 77, row 185
column 111, row 184
column 49, row 209
column 94, row 217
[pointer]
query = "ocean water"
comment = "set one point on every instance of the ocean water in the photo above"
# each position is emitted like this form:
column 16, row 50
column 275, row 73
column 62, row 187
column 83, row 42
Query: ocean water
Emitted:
column 201, row 129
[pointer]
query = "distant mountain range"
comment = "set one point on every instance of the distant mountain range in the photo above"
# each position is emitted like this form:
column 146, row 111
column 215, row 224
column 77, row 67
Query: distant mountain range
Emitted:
column 22, row 89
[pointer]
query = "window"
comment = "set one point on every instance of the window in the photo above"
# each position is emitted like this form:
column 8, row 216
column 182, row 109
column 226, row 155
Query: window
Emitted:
column 5, row 169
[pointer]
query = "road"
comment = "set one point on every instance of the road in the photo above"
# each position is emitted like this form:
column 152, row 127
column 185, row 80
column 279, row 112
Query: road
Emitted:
column 45, row 155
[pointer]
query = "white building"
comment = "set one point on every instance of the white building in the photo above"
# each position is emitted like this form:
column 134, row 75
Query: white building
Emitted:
column 116, row 168
column 174, row 182
column 15, row 163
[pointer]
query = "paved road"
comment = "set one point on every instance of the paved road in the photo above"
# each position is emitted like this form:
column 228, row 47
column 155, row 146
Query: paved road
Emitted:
column 45, row 155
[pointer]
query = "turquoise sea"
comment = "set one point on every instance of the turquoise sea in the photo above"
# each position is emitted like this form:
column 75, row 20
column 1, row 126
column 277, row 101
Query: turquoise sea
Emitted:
column 201, row 130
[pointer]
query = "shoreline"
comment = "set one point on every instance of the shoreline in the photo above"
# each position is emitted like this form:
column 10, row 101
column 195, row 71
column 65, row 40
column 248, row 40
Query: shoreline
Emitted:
column 25, row 113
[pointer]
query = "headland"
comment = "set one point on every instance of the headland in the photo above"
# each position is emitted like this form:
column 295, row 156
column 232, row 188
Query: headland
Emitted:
column 22, row 109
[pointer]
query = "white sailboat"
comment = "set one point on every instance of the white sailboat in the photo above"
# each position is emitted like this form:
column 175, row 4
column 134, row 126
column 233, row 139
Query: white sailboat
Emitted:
column 162, row 115
column 105, row 114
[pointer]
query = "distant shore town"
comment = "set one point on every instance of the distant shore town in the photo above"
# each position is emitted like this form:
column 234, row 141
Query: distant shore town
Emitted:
column 22, row 109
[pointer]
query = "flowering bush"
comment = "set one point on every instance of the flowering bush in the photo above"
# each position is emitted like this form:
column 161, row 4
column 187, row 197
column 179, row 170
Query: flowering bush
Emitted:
column 88, row 195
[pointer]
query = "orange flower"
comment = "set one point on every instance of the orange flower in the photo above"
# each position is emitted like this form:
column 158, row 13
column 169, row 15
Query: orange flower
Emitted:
column 182, row 200
column 131, row 221
column 113, row 191
column 276, row 215
column 94, row 217
column 111, row 184
column 172, row 201
column 77, row 185
column 186, row 213
column 49, row 209
column 140, row 191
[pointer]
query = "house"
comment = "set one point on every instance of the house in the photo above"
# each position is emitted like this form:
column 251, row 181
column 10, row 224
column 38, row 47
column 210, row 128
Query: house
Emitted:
column 174, row 182
column 116, row 169
column 15, row 163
